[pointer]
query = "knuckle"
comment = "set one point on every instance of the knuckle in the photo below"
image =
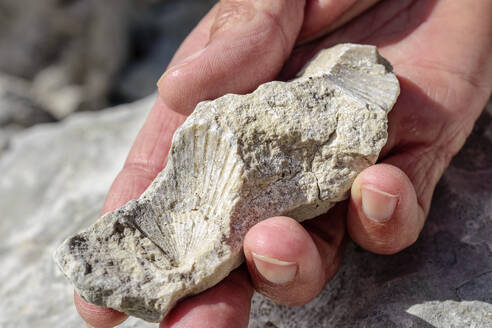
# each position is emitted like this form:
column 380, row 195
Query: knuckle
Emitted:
column 276, row 32
column 270, row 28
column 231, row 13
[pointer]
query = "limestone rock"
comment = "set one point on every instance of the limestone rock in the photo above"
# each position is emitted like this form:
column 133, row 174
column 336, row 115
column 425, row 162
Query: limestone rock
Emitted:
column 289, row 148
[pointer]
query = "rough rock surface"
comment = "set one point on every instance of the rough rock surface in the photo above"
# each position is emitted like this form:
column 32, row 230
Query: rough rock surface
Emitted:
column 53, row 183
column 289, row 148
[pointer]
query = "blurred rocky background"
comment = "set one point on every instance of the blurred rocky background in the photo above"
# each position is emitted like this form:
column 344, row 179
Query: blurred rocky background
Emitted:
column 58, row 57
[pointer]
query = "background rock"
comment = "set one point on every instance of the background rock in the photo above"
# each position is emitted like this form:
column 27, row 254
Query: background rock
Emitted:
column 63, row 56
column 444, row 280
column 87, row 39
column 17, row 108
column 85, row 54
column 54, row 178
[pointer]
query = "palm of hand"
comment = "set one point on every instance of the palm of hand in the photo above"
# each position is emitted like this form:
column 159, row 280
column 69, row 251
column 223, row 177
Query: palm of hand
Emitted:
column 442, row 93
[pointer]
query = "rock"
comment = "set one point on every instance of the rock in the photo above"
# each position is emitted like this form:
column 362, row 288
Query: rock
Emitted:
column 457, row 314
column 89, row 54
column 53, row 89
column 16, row 104
column 286, row 149
column 55, row 177
column 87, row 40
column 18, row 110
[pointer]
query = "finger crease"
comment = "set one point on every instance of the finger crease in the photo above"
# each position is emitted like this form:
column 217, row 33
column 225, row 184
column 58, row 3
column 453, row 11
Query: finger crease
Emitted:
column 284, row 41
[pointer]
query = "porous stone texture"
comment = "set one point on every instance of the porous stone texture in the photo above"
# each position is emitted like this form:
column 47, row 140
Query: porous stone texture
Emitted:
column 55, row 177
column 289, row 148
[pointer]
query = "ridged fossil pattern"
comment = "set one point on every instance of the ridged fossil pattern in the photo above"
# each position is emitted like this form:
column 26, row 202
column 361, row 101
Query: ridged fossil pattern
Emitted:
column 289, row 148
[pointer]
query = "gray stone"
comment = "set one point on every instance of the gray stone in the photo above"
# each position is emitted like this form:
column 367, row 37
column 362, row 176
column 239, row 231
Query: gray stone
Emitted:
column 54, row 179
column 86, row 40
column 53, row 89
column 85, row 54
column 289, row 148
column 16, row 105
column 18, row 110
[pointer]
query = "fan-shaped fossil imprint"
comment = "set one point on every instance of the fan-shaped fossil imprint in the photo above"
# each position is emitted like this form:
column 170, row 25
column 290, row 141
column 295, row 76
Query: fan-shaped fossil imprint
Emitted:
column 289, row 148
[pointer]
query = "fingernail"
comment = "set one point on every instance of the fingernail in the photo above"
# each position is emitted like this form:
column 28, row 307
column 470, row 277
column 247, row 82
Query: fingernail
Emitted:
column 378, row 205
column 183, row 62
column 275, row 271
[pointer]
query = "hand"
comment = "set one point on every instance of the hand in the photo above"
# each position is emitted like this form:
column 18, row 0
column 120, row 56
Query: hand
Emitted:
column 440, row 51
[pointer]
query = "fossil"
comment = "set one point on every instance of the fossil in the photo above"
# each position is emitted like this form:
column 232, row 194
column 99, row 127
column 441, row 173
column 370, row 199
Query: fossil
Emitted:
column 288, row 148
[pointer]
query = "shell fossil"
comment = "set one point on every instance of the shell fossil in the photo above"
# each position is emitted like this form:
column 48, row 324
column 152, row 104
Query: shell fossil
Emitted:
column 289, row 148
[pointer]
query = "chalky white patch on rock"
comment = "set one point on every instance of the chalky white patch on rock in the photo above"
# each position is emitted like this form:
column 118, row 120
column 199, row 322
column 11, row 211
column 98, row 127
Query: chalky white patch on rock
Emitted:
column 459, row 314
column 289, row 148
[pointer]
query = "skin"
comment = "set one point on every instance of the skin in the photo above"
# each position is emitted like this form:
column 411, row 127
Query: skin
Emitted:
column 440, row 51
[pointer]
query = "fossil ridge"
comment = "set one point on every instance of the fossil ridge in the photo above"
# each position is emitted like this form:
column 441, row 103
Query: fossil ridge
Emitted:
column 289, row 148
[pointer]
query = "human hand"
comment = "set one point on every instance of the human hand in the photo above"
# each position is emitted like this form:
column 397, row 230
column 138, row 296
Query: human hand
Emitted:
column 440, row 51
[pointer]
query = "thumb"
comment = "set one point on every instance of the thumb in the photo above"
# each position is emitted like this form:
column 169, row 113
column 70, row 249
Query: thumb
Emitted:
column 390, row 201
column 291, row 263
column 249, row 42
column 384, row 214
